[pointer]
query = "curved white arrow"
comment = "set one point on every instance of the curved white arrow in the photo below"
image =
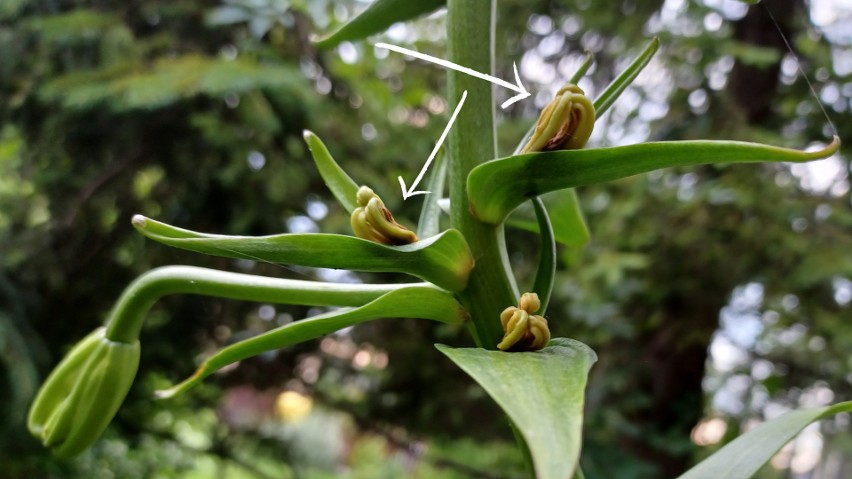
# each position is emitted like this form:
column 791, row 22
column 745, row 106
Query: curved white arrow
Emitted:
column 409, row 193
column 517, row 87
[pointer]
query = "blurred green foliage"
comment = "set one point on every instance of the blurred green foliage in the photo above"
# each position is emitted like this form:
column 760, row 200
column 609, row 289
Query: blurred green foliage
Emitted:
column 191, row 112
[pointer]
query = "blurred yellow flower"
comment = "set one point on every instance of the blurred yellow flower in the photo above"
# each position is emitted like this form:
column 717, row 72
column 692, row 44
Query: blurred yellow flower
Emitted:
column 292, row 407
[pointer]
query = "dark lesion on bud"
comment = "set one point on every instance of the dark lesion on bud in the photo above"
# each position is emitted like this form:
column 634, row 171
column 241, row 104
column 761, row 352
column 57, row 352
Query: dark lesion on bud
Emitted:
column 372, row 221
column 524, row 330
column 566, row 123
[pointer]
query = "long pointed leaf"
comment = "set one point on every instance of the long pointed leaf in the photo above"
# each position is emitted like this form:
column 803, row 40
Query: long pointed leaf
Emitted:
column 129, row 313
column 497, row 187
column 430, row 215
column 341, row 185
column 617, row 87
column 380, row 15
column 566, row 217
column 410, row 302
column 444, row 259
column 543, row 284
column 542, row 392
column 745, row 455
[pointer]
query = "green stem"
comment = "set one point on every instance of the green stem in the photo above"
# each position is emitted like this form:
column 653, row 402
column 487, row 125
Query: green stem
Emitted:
column 125, row 320
column 491, row 288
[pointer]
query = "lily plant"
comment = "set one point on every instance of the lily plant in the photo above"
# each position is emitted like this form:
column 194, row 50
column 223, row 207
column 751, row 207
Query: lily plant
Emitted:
column 462, row 274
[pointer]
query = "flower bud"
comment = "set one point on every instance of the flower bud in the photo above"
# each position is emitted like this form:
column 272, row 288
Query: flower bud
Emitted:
column 81, row 396
column 373, row 221
column 565, row 123
column 525, row 331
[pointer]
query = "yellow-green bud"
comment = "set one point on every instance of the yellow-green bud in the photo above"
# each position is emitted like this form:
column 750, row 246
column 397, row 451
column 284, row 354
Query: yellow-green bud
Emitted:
column 81, row 396
column 374, row 222
column 525, row 331
column 565, row 123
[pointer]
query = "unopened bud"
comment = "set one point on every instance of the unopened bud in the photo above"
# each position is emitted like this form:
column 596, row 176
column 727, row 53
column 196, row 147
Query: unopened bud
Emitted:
column 83, row 393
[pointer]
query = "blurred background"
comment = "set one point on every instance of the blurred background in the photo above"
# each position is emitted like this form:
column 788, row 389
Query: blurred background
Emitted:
column 716, row 296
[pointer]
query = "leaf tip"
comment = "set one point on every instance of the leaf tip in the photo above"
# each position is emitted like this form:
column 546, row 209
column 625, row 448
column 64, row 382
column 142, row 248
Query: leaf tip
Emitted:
column 825, row 151
column 182, row 386
column 139, row 221
column 834, row 146
column 166, row 393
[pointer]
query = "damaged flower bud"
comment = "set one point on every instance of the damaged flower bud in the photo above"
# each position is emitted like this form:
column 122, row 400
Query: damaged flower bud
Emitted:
column 525, row 331
column 565, row 123
column 373, row 221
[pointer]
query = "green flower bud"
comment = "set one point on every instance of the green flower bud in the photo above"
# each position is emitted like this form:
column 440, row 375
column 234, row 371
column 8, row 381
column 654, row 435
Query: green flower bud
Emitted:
column 374, row 222
column 83, row 393
column 525, row 331
column 565, row 123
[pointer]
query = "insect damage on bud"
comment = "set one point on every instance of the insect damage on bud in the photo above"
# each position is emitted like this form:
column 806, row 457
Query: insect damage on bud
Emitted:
column 525, row 331
column 373, row 221
column 566, row 122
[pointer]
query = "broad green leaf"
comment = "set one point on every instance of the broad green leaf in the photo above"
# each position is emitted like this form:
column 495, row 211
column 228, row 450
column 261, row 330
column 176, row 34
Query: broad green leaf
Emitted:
column 410, row 302
column 543, row 284
column 340, row 184
column 542, row 392
column 497, row 187
column 617, row 87
column 745, row 455
column 430, row 215
column 444, row 259
column 378, row 17
column 566, row 217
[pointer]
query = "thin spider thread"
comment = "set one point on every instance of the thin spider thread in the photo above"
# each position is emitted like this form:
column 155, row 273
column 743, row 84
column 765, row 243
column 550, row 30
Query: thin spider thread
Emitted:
column 800, row 69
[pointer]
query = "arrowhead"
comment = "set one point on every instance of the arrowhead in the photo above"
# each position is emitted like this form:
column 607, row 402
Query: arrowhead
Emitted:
column 522, row 92
column 408, row 194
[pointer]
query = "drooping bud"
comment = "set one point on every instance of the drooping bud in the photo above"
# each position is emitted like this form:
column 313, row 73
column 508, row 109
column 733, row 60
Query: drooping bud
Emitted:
column 565, row 123
column 373, row 221
column 81, row 396
column 524, row 331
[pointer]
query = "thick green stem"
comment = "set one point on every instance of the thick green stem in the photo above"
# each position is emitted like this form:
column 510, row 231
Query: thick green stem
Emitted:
column 491, row 288
column 129, row 312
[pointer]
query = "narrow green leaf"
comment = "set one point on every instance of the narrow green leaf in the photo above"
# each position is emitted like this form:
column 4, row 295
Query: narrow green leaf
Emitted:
column 497, row 187
column 612, row 92
column 745, row 455
column 542, row 392
column 340, row 184
column 430, row 215
column 380, row 15
column 543, row 284
column 411, row 302
column 566, row 217
column 444, row 259
column 588, row 60
column 128, row 315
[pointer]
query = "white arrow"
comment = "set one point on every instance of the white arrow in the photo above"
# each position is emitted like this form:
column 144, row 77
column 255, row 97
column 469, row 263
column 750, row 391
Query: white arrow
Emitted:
column 409, row 193
column 518, row 87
